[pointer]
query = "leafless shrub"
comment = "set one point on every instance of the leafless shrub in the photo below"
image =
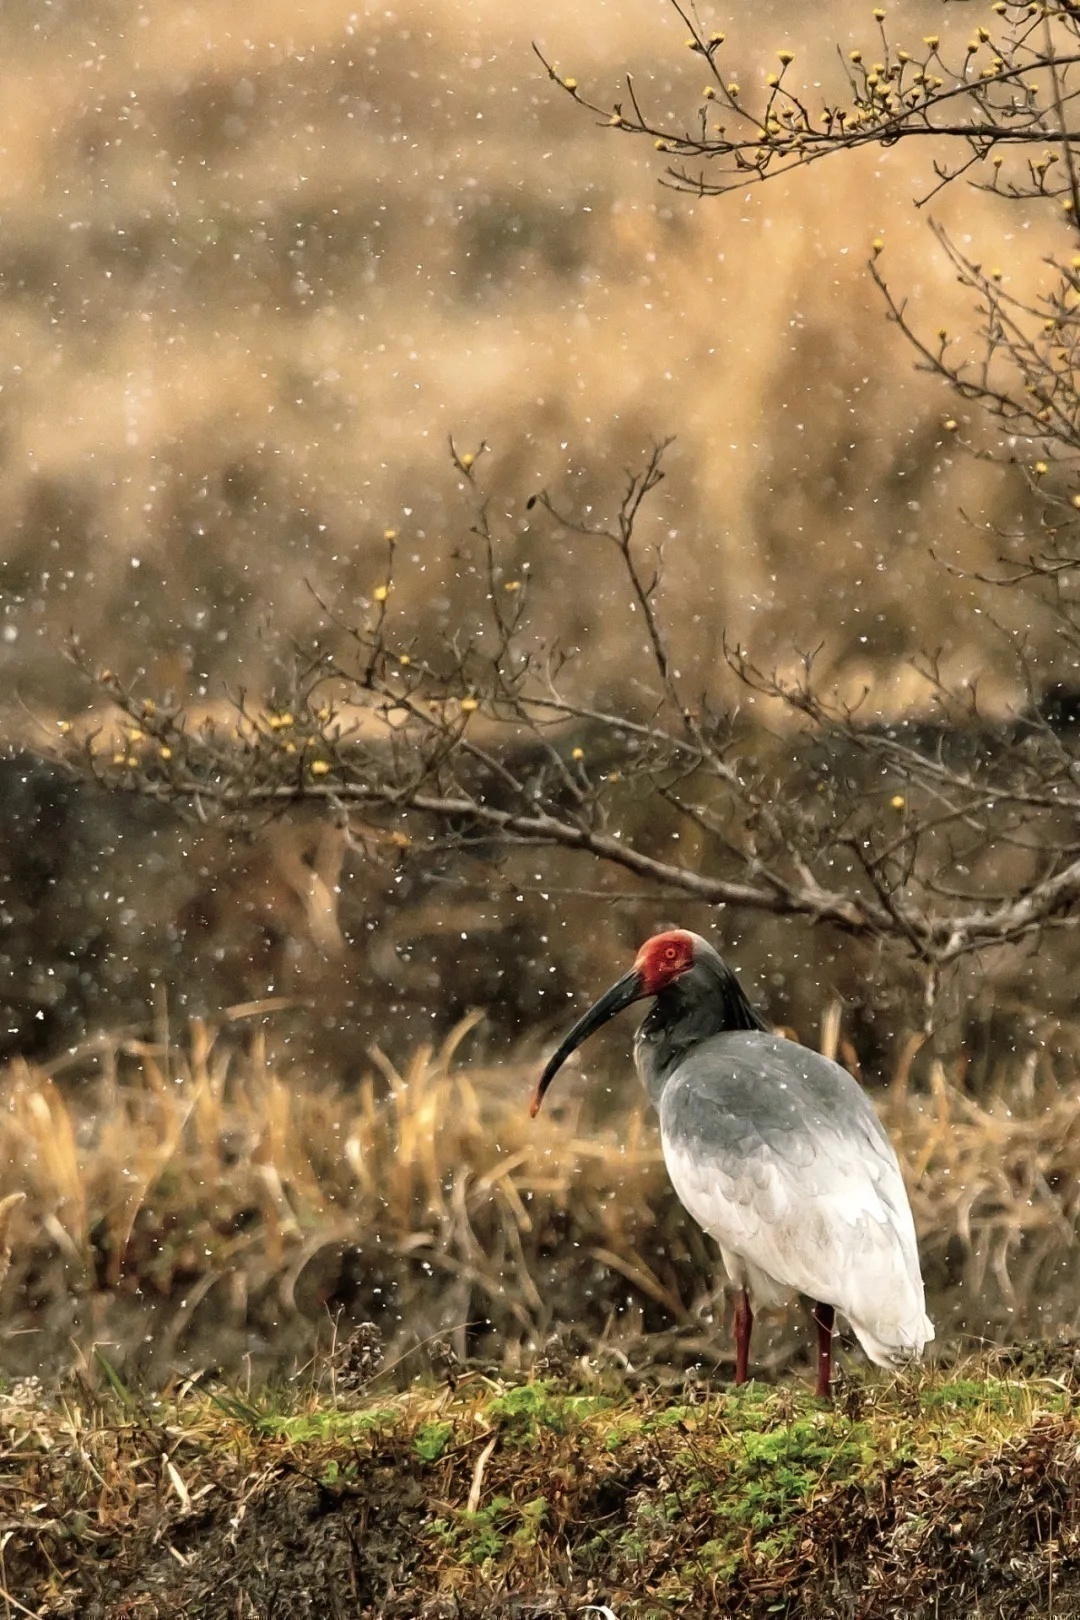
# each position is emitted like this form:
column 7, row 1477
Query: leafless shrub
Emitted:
column 993, row 97
column 941, row 839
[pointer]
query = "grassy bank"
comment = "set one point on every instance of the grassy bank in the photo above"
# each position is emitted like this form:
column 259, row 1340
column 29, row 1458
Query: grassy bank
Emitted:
column 946, row 1494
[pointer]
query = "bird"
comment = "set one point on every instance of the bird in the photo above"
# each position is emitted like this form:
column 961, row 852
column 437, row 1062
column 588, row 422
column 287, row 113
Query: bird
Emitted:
column 775, row 1151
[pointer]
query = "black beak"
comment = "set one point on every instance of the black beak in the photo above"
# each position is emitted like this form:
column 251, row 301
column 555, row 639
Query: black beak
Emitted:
column 621, row 995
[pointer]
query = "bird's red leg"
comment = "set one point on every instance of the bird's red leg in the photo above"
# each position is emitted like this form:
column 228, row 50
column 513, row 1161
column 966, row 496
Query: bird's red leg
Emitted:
column 823, row 1316
column 744, row 1322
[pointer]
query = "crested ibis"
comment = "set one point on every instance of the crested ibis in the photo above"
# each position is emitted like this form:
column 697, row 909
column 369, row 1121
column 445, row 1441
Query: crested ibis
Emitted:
column 774, row 1150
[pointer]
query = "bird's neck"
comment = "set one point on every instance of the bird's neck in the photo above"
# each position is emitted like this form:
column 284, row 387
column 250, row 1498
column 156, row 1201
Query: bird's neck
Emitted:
column 679, row 1021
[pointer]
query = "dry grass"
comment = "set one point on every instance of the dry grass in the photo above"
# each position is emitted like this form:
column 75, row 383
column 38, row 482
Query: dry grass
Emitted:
column 189, row 1202
column 256, row 268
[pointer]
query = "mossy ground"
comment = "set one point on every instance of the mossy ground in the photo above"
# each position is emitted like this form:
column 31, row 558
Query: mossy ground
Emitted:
column 946, row 1494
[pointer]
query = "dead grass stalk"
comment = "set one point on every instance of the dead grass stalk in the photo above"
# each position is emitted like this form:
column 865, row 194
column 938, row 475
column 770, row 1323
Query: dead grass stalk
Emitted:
column 192, row 1201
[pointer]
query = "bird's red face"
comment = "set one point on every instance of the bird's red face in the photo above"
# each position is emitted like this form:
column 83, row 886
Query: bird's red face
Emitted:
column 659, row 961
column 663, row 958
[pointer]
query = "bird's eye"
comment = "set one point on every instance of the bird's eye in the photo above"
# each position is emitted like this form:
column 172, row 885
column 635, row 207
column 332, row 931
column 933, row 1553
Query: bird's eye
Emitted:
column 671, row 953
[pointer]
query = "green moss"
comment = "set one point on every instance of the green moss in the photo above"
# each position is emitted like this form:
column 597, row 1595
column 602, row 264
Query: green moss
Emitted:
column 973, row 1394
column 766, row 1478
column 524, row 1411
column 719, row 1558
column 329, row 1423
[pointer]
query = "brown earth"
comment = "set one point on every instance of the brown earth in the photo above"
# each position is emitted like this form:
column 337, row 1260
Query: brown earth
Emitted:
column 917, row 1499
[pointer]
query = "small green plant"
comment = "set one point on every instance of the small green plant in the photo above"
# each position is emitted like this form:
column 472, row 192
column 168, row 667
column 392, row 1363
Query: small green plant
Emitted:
column 482, row 1534
column 533, row 1517
column 431, row 1440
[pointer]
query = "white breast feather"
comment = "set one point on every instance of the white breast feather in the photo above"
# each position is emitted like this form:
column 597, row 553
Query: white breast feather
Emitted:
column 838, row 1229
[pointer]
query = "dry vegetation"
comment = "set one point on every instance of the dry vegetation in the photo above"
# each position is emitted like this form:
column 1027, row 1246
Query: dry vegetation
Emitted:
column 189, row 1203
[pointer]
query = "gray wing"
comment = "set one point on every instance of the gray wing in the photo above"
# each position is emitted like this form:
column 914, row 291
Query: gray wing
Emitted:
column 779, row 1154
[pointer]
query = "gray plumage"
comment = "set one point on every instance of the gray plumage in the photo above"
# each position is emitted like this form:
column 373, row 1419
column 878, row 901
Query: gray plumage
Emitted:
column 778, row 1154
column 775, row 1151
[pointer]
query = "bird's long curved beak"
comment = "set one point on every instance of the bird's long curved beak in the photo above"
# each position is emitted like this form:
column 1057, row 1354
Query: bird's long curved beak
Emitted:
column 630, row 988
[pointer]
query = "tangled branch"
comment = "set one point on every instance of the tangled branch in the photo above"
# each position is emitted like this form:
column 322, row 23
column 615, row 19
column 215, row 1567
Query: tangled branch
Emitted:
column 945, row 838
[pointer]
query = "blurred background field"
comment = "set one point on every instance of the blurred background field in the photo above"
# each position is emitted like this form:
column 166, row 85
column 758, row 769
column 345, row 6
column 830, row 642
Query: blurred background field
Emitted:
column 256, row 266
